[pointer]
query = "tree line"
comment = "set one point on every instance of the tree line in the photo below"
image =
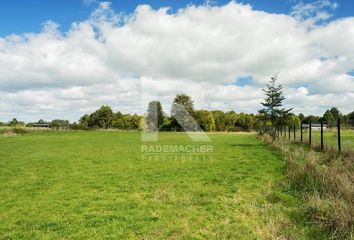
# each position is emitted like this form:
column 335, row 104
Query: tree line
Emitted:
column 184, row 117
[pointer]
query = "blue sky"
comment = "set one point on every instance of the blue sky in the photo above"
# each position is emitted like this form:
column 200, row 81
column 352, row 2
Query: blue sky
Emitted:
column 19, row 16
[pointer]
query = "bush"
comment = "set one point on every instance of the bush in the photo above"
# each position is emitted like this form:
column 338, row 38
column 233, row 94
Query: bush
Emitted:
column 19, row 130
column 75, row 126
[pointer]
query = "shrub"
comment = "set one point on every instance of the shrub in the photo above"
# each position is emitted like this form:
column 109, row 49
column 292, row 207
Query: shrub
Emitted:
column 19, row 130
column 326, row 183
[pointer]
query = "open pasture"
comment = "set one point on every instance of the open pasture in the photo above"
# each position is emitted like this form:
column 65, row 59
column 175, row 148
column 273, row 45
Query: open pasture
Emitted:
column 330, row 139
column 97, row 185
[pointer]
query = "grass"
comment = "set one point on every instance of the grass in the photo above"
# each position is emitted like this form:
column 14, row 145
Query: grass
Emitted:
column 325, row 182
column 330, row 138
column 95, row 185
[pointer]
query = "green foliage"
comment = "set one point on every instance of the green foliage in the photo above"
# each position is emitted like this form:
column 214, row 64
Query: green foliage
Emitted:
column 205, row 120
column 351, row 118
column 335, row 112
column 105, row 118
column 102, row 118
column 135, row 121
column 329, row 118
column 273, row 103
column 311, row 118
column 301, row 117
column 120, row 121
column 246, row 121
column 231, row 121
column 166, row 125
column 41, row 121
column 219, row 119
column 19, row 130
column 292, row 120
column 182, row 113
column 182, row 108
column 15, row 123
column 60, row 124
column 85, row 120
column 75, row 126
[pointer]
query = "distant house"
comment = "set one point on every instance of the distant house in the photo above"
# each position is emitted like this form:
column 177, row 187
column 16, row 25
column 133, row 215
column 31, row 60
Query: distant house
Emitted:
column 41, row 125
column 315, row 126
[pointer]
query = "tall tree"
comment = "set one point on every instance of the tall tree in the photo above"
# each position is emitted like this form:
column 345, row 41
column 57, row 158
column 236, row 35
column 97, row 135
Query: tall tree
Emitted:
column 230, row 121
column 301, row 117
column 84, row 120
column 13, row 122
column 154, row 118
column 118, row 120
column 329, row 118
column 335, row 112
column 102, row 118
column 293, row 120
column 205, row 120
column 219, row 118
column 273, row 103
column 351, row 118
column 182, row 113
column 245, row 122
column 136, row 122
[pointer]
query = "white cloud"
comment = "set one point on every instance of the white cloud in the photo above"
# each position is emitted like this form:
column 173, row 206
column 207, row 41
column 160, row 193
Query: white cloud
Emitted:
column 314, row 12
column 200, row 50
column 89, row 2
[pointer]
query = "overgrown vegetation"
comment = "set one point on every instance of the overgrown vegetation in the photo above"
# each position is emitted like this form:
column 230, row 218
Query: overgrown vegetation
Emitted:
column 326, row 183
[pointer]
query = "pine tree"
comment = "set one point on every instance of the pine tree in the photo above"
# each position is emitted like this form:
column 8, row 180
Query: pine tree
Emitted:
column 273, row 110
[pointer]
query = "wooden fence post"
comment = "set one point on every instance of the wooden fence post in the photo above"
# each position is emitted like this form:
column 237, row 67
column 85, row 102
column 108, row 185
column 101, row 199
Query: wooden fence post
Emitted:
column 310, row 134
column 321, row 135
column 294, row 132
column 274, row 133
column 289, row 129
column 301, row 136
column 339, row 140
column 278, row 132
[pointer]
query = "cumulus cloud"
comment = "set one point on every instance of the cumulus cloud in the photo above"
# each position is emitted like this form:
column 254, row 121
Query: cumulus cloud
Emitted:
column 201, row 50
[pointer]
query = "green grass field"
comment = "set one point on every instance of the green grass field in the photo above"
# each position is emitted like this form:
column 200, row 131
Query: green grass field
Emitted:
column 330, row 138
column 96, row 185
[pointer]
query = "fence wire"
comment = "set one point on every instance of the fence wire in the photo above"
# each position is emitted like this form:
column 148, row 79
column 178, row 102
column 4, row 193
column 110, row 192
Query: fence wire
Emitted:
column 337, row 136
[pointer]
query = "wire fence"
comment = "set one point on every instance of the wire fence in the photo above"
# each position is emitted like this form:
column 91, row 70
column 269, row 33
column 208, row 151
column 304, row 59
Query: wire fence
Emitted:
column 336, row 136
